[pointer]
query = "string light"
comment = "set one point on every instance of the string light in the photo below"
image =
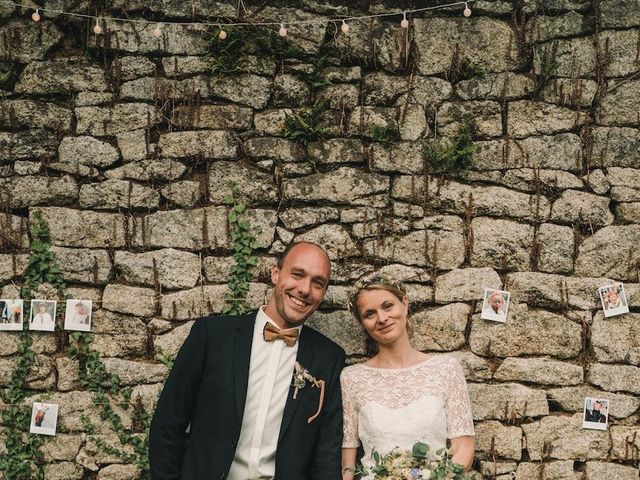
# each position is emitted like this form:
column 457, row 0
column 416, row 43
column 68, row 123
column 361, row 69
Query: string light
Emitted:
column 404, row 23
column 283, row 31
column 223, row 35
column 157, row 32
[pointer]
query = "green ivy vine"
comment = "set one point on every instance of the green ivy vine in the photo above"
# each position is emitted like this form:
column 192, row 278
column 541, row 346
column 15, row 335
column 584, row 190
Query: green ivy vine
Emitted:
column 244, row 242
column 23, row 458
column 106, row 387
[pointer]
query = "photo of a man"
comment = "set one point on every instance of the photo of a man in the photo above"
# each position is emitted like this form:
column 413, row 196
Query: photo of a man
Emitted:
column 596, row 413
column 495, row 305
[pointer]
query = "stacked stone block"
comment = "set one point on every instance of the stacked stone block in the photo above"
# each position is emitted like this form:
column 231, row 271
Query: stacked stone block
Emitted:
column 127, row 143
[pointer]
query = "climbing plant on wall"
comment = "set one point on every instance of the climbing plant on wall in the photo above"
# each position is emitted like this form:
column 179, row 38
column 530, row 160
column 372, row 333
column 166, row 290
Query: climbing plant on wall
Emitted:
column 23, row 458
column 243, row 240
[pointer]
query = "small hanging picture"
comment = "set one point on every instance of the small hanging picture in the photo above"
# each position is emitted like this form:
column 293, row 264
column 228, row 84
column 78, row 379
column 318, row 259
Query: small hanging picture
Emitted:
column 44, row 418
column 614, row 300
column 495, row 305
column 43, row 315
column 77, row 315
column 11, row 314
column 596, row 414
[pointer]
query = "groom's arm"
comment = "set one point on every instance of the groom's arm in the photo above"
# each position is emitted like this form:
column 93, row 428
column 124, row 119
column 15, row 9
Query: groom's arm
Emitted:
column 175, row 407
column 326, row 461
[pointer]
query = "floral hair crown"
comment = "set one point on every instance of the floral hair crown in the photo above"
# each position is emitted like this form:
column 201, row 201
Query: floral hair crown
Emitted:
column 376, row 278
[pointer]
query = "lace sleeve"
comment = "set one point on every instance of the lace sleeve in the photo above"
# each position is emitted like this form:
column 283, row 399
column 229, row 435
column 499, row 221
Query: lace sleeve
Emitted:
column 350, row 413
column 458, row 404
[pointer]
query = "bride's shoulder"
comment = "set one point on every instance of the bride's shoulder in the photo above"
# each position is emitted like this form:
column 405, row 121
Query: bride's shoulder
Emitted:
column 444, row 360
column 352, row 371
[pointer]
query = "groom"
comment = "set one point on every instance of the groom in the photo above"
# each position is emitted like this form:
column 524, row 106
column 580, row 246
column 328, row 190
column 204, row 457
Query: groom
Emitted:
column 232, row 383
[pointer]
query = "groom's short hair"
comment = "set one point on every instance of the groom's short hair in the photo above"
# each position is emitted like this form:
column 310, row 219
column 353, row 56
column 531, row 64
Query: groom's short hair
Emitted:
column 292, row 245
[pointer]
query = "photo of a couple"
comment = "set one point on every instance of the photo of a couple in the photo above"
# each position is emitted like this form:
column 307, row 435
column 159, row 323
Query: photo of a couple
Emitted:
column 265, row 396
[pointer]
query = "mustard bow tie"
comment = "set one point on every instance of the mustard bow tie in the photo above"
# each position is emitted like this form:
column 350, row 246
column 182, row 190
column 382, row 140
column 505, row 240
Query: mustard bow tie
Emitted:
column 272, row 332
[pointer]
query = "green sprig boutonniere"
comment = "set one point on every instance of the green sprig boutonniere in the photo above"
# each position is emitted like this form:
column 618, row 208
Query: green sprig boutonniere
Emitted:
column 300, row 378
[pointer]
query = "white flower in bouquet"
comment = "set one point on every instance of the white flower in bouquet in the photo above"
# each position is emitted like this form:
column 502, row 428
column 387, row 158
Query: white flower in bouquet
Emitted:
column 425, row 473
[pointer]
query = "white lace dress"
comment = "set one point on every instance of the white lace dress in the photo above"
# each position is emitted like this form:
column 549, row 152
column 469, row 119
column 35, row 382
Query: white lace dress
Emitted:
column 388, row 408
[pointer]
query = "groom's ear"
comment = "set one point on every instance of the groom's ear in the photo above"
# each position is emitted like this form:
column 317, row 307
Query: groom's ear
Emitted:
column 275, row 274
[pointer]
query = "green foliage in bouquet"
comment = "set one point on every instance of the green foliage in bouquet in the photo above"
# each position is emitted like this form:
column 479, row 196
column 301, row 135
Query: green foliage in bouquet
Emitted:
column 416, row 464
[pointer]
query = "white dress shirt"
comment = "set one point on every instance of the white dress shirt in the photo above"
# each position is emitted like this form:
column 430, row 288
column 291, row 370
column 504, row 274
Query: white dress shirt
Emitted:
column 270, row 374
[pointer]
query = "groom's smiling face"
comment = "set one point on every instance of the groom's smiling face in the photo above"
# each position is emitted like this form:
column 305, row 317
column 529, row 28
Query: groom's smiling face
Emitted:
column 300, row 284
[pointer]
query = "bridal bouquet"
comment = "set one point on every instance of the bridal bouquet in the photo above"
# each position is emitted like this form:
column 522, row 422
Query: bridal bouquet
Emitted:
column 414, row 465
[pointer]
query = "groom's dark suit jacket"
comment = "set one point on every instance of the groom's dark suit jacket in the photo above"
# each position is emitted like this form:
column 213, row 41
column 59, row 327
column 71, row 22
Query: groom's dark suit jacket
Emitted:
column 207, row 389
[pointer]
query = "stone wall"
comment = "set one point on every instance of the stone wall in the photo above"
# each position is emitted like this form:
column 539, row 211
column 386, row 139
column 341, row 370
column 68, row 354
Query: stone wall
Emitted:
column 127, row 143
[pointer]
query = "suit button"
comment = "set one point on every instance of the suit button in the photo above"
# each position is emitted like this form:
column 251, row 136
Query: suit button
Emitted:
column 233, row 444
column 221, row 476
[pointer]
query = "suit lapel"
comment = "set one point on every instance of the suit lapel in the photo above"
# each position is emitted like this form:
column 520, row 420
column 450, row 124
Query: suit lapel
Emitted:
column 306, row 357
column 242, row 339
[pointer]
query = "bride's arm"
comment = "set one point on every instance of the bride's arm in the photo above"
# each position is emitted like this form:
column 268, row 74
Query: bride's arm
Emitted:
column 461, row 451
column 348, row 463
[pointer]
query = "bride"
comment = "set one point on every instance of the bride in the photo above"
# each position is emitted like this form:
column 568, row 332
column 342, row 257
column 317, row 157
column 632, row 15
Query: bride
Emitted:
column 400, row 396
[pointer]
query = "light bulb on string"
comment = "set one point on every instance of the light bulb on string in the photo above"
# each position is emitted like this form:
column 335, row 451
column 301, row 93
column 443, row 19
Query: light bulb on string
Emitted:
column 467, row 10
column 404, row 23
column 222, row 34
column 344, row 27
column 157, row 32
column 97, row 29
column 35, row 16
column 283, row 31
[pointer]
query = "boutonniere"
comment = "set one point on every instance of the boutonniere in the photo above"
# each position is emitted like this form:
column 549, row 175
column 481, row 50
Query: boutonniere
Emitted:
column 300, row 378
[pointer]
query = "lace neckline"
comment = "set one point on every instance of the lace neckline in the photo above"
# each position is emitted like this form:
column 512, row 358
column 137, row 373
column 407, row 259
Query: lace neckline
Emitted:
column 400, row 369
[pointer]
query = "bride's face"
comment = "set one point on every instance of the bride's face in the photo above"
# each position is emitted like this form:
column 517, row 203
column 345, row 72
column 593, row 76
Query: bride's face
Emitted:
column 383, row 315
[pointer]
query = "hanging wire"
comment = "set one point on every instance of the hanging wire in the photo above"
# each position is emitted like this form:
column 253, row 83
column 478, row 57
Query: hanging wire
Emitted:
column 241, row 24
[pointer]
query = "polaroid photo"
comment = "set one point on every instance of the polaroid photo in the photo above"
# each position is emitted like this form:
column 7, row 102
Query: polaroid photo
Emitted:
column 44, row 418
column 596, row 413
column 77, row 315
column 495, row 305
column 11, row 314
column 43, row 315
column 614, row 300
